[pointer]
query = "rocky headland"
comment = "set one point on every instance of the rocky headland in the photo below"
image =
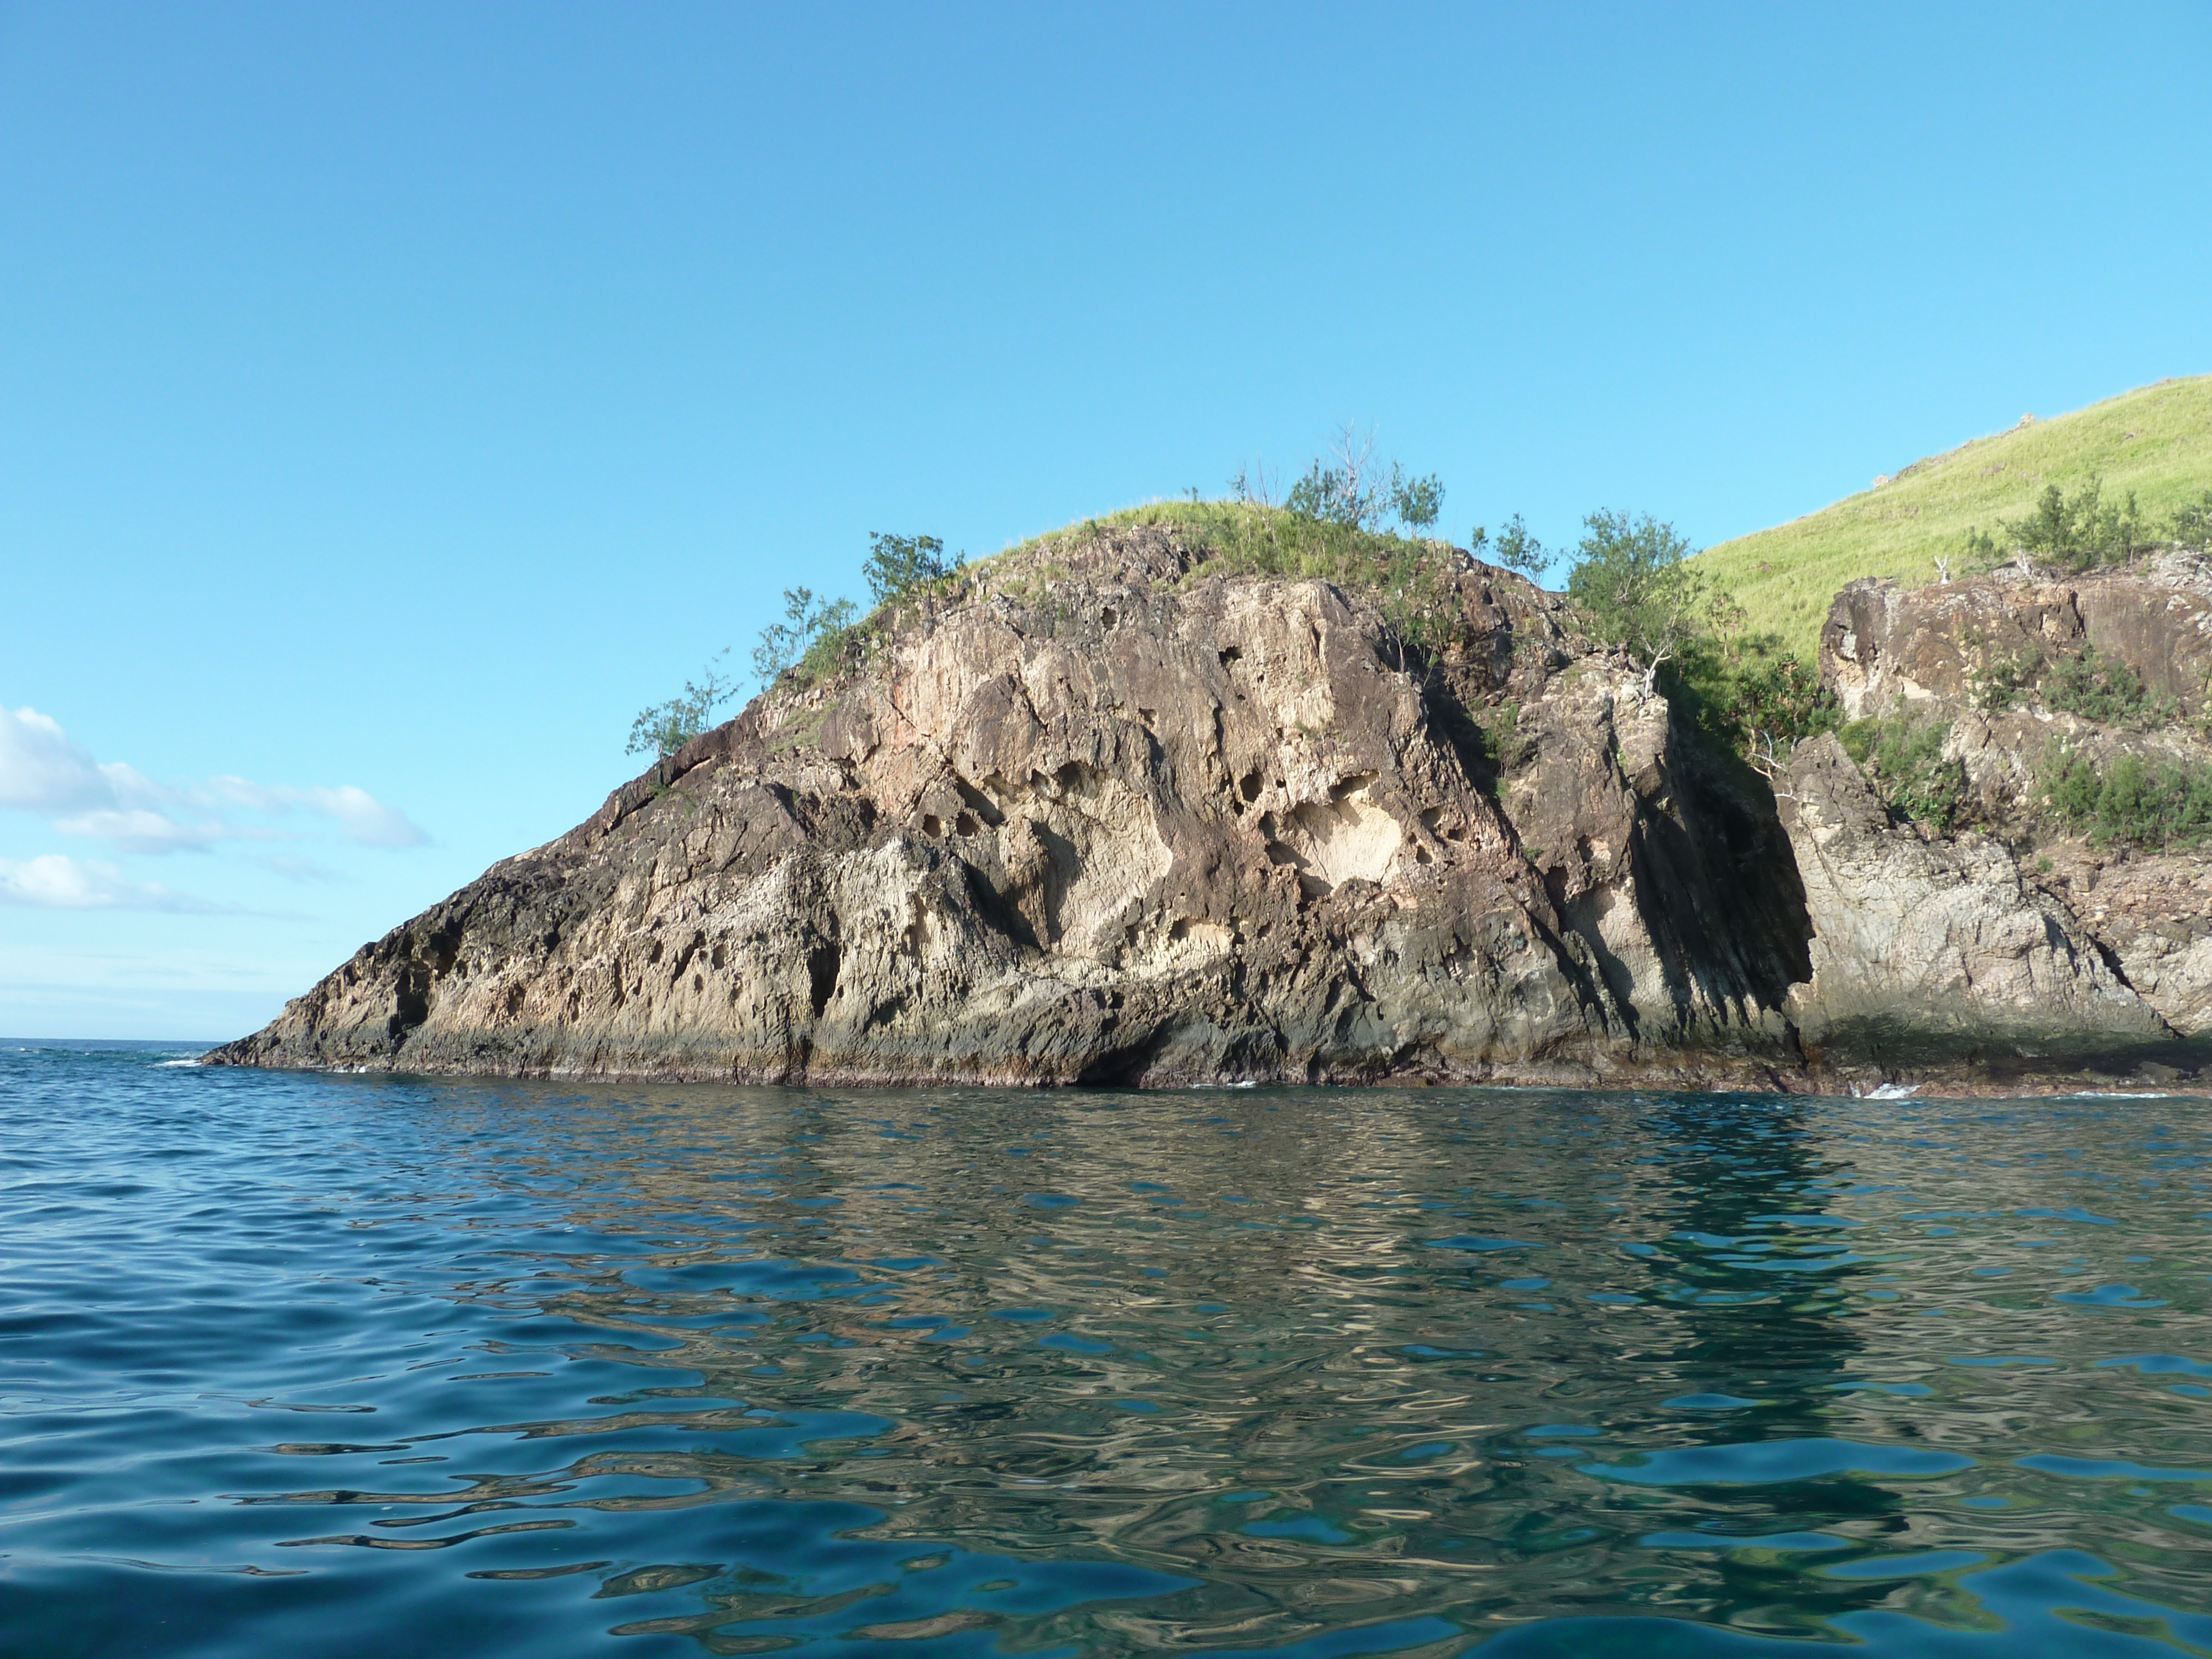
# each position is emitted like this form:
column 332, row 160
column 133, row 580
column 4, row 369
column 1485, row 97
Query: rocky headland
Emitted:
column 1110, row 812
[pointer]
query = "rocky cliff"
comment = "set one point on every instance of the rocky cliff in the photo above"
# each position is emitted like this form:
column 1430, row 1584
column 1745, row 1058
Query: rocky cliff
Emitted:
column 2011, row 940
column 1106, row 813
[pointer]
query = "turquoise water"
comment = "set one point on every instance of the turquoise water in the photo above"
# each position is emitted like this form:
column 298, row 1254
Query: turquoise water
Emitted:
column 296, row 1365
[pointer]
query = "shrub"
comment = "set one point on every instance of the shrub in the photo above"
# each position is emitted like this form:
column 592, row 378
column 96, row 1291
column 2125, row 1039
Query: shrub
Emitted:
column 1416, row 501
column 1774, row 697
column 1355, row 492
column 1515, row 547
column 1753, row 696
column 1903, row 758
column 2144, row 804
column 1980, row 551
column 2104, row 689
column 2192, row 523
column 2001, row 685
column 2073, row 533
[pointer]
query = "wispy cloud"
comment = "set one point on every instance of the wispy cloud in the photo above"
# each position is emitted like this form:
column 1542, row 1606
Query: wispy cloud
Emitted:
column 43, row 770
column 299, row 870
column 54, row 882
column 362, row 817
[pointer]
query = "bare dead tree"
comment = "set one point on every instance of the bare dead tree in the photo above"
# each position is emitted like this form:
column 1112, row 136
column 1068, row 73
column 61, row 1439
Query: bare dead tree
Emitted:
column 1769, row 762
column 1253, row 486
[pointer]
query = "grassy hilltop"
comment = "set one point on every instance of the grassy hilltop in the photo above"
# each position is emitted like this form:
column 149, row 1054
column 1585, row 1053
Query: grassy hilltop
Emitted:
column 2156, row 440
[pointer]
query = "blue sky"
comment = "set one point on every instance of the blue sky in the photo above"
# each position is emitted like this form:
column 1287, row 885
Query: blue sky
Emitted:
column 394, row 399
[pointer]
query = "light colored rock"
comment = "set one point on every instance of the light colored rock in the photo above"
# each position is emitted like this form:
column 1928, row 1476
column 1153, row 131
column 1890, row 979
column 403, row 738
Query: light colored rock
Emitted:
column 1924, row 946
column 1924, row 653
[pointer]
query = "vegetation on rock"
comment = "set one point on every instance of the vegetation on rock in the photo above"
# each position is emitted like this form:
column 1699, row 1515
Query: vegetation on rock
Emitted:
column 2143, row 803
column 806, row 622
column 2063, row 534
column 2089, row 683
column 1633, row 585
column 1903, row 759
column 2155, row 443
column 665, row 728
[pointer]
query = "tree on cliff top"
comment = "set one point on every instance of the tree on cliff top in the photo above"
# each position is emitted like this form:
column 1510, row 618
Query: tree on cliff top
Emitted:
column 1356, row 491
column 2078, row 532
column 665, row 728
column 1634, row 590
column 898, row 565
column 806, row 620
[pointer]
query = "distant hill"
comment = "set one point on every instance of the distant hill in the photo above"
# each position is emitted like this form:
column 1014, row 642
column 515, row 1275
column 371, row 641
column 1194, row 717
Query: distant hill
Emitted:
column 2156, row 440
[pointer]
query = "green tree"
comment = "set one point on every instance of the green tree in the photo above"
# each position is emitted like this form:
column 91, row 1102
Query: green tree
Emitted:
column 1354, row 490
column 806, row 620
column 2073, row 532
column 665, row 728
column 1345, row 494
column 1416, row 501
column 1635, row 590
column 1515, row 547
column 1903, row 758
column 2192, row 523
column 898, row 565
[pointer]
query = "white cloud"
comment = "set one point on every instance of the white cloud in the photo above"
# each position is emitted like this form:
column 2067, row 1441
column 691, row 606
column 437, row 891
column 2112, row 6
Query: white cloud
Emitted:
column 41, row 770
column 141, row 829
column 360, row 814
column 53, row 882
column 299, row 870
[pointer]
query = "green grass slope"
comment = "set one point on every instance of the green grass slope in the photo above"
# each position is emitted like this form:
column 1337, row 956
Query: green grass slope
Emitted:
column 2156, row 440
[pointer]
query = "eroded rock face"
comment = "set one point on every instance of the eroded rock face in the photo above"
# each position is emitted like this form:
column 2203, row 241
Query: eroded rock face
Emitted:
column 2016, row 934
column 1884, row 648
column 1134, row 822
column 1928, row 949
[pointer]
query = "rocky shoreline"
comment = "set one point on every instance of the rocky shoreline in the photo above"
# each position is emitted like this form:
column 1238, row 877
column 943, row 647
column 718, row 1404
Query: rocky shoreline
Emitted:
column 1104, row 814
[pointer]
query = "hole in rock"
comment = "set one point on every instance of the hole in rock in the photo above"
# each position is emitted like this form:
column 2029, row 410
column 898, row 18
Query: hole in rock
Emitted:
column 822, row 965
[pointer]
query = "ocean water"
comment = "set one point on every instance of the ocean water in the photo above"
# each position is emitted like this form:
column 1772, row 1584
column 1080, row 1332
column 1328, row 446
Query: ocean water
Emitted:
column 339, row 1365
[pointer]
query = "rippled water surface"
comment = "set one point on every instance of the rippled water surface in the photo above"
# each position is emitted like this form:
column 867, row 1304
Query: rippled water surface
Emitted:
column 297, row 1364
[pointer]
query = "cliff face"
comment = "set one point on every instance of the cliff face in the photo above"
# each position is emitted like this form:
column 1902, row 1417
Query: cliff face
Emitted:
column 2010, row 937
column 1107, row 815
column 1133, row 822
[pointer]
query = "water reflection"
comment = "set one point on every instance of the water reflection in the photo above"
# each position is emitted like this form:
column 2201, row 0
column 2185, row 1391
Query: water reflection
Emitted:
column 1299, row 1372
